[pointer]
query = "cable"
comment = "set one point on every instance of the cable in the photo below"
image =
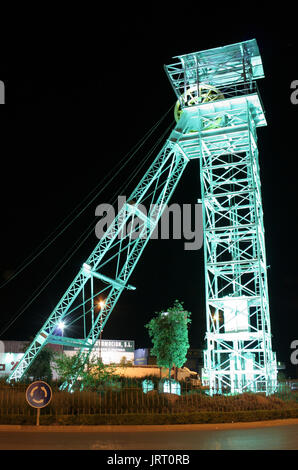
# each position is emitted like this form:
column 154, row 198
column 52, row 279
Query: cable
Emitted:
column 49, row 278
column 126, row 160
column 58, row 268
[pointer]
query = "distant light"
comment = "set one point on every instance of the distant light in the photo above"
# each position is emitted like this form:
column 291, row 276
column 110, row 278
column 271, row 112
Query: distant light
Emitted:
column 101, row 303
column 87, row 266
column 170, row 386
column 147, row 385
column 61, row 325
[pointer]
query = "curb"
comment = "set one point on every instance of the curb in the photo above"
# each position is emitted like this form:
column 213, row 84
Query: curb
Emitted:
column 148, row 428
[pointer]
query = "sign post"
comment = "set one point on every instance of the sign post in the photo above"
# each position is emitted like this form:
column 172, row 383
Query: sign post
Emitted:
column 38, row 395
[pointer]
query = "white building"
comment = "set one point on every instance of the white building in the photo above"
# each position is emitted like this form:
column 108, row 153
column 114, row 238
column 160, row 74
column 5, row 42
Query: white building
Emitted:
column 110, row 351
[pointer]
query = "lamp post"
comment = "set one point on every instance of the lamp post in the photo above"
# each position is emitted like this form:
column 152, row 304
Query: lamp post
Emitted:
column 101, row 304
column 61, row 326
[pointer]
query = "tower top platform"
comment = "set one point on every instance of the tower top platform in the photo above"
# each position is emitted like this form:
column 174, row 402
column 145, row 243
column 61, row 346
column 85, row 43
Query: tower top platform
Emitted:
column 220, row 74
column 228, row 65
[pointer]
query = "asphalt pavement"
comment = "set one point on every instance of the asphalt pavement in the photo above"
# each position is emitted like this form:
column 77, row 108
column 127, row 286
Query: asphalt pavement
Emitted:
column 265, row 435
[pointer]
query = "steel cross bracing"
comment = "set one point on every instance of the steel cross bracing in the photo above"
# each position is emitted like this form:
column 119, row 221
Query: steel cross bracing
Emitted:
column 239, row 353
column 114, row 258
column 220, row 109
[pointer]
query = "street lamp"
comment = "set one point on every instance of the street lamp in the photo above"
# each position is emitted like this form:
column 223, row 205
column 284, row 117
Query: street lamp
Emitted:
column 101, row 305
column 61, row 326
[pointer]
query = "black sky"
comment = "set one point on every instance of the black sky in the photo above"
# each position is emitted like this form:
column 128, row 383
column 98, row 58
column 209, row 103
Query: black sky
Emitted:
column 75, row 105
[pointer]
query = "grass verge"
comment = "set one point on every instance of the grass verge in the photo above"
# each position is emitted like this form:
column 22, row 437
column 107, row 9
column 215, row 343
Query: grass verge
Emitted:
column 202, row 417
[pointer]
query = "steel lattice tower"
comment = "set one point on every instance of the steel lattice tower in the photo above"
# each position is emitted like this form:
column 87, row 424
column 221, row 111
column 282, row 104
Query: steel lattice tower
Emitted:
column 217, row 113
column 220, row 87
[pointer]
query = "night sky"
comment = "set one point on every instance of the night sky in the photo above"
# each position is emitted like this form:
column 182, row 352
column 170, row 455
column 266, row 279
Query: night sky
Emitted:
column 75, row 106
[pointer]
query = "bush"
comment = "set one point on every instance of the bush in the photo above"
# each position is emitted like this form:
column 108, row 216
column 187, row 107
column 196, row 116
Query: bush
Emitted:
column 151, row 419
column 113, row 399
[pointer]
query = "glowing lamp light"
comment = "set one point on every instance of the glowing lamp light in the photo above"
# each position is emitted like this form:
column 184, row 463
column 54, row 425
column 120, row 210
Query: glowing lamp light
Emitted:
column 101, row 303
column 147, row 386
column 61, row 325
column 169, row 386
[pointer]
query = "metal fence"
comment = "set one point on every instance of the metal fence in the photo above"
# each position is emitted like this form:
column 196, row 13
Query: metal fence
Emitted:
column 132, row 399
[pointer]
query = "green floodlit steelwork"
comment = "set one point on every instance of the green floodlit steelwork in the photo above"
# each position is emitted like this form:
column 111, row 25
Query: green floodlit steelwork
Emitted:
column 225, row 110
column 217, row 112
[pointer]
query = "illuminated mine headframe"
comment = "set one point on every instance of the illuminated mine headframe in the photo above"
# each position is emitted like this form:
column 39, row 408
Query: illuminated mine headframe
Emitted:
column 217, row 113
column 219, row 106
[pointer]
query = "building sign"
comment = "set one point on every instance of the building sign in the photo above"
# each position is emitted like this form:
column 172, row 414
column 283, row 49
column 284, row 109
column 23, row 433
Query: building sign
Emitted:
column 141, row 357
column 8, row 362
column 112, row 351
column 116, row 345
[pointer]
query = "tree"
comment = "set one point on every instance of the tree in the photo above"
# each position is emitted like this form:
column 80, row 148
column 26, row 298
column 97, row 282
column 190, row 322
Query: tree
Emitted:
column 169, row 333
column 65, row 365
column 93, row 374
column 41, row 368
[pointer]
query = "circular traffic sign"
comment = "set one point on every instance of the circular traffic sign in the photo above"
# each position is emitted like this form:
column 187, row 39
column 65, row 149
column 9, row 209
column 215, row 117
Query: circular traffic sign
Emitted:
column 39, row 394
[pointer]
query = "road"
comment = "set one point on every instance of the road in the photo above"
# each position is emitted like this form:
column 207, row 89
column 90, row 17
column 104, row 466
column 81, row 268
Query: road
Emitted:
column 267, row 435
